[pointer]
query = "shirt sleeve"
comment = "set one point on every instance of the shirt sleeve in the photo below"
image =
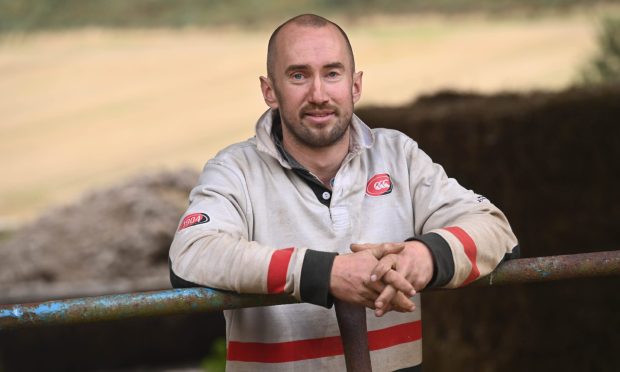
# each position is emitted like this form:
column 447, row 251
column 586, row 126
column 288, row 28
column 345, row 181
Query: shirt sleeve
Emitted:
column 468, row 236
column 212, row 248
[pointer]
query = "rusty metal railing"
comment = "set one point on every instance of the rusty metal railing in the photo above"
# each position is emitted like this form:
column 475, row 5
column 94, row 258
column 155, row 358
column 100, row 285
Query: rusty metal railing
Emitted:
column 177, row 301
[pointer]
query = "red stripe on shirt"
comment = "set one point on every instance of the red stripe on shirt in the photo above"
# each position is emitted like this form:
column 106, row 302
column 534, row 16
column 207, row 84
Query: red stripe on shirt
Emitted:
column 395, row 335
column 278, row 267
column 281, row 352
column 470, row 251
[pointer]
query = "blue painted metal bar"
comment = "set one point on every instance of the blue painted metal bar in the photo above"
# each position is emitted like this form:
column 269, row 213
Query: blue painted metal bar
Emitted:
column 130, row 305
column 177, row 301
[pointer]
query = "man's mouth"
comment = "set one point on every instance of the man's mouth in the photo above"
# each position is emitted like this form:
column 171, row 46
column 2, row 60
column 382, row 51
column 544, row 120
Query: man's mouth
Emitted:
column 319, row 116
column 319, row 113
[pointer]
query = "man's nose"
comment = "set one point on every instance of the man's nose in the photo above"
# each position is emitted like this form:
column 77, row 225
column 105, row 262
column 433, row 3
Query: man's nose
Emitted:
column 317, row 94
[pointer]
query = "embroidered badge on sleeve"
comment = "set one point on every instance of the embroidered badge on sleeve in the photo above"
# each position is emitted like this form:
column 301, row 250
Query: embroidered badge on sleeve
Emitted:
column 193, row 220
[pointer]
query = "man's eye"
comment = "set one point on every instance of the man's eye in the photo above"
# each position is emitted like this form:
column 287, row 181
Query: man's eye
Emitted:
column 297, row 76
column 333, row 74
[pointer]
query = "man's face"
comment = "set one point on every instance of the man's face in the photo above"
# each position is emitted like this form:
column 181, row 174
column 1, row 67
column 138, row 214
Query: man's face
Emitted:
column 313, row 85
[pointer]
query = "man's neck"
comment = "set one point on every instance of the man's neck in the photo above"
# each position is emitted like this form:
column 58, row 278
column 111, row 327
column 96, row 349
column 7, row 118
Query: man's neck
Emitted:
column 322, row 162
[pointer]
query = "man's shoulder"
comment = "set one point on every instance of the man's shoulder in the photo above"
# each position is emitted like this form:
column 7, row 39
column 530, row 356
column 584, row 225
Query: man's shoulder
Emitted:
column 236, row 150
column 391, row 136
column 235, row 156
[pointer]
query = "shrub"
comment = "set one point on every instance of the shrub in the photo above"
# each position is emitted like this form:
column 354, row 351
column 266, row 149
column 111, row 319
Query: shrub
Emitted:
column 605, row 66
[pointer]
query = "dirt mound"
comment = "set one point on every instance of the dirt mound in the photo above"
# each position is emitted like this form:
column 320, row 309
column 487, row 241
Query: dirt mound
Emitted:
column 123, row 232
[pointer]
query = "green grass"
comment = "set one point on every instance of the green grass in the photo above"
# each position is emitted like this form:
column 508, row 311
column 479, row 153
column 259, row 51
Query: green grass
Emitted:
column 35, row 15
column 604, row 67
column 216, row 360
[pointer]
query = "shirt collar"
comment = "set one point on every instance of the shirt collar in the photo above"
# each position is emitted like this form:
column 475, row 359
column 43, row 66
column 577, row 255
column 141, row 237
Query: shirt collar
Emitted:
column 362, row 137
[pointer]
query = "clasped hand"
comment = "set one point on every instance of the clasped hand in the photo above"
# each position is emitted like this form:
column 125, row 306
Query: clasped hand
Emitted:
column 382, row 276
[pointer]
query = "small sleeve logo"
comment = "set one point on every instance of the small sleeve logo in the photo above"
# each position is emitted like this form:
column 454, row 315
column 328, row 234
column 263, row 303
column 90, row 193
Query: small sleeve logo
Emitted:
column 379, row 184
column 193, row 220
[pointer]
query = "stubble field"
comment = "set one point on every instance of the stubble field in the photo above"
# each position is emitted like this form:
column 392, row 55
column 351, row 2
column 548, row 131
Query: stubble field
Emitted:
column 86, row 108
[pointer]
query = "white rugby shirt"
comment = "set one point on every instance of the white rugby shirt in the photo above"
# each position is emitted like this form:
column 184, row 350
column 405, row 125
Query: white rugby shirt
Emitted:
column 255, row 226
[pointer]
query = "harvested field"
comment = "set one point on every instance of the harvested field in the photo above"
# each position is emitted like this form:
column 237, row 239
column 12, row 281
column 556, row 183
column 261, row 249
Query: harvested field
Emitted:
column 88, row 108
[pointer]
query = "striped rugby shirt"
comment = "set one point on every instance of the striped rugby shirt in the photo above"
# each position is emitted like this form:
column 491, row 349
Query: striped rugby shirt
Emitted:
column 258, row 224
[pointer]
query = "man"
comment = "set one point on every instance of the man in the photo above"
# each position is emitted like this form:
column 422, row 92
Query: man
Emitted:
column 287, row 211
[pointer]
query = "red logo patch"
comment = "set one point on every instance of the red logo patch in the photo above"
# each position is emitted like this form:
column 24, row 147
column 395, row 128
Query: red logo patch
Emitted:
column 193, row 220
column 379, row 184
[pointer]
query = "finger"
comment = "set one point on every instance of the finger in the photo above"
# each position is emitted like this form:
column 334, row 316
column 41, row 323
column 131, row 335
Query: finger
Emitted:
column 363, row 302
column 380, row 250
column 403, row 303
column 376, row 287
column 400, row 303
column 393, row 248
column 383, row 266
column 369, row 295
column 399, row 282
column 390, row 299
column 361, row 299
column 419, row 283
column 385, row 297
column 359, row 247
column 386, row 309
column 368, row 304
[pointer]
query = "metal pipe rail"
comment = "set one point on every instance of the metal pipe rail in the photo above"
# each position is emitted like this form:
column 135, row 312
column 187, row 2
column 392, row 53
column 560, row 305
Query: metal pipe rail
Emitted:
column 178, row 301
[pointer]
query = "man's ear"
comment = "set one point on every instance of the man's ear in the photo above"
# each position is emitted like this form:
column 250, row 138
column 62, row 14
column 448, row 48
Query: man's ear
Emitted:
column 356, row 89
column 269, row 94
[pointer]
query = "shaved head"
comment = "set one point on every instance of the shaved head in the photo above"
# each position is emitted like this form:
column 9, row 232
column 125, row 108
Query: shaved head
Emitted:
column 304, row 20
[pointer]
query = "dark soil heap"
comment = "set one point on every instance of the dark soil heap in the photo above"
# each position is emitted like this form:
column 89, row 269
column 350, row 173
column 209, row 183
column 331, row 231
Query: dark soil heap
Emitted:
column 120, row 233
column 551, row 162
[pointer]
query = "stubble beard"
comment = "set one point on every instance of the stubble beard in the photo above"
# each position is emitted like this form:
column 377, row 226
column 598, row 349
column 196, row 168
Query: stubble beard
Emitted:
column 316, row 137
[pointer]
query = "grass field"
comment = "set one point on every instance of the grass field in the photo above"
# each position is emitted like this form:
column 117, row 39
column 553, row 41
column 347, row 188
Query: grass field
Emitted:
column 86, row 108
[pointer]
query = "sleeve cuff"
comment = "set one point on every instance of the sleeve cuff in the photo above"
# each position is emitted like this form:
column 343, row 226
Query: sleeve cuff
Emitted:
column 177, row 281
column 443, row 261
column 315, row 275
column 513, row 254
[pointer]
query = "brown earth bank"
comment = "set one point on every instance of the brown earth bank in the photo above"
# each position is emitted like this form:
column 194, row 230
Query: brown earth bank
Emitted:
column 551, row 161
column 120, row 233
